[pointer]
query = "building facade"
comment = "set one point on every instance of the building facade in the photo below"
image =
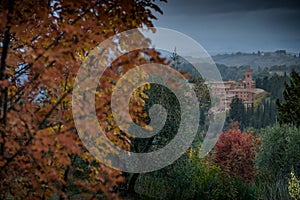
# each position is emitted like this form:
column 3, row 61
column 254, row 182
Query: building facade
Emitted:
column 242, row 89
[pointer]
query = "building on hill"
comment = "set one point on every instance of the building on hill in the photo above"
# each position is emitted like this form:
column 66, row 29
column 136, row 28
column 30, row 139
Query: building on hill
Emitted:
column 242, row 89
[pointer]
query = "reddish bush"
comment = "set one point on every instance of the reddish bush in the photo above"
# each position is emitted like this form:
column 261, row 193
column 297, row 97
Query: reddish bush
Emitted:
column 235, row 153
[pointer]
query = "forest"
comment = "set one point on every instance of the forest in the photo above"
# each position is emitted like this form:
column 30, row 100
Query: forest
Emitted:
column 44, row 44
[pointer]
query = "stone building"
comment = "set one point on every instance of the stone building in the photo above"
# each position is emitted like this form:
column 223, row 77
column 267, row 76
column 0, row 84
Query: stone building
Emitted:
column 242, row 89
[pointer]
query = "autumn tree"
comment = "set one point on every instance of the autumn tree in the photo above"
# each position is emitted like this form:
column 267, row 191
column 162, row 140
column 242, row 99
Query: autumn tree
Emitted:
column 235, row 153
column 43, row 44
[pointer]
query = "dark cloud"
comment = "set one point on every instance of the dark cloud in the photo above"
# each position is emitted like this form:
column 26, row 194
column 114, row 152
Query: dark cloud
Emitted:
column 236, row 25
column 225, row 6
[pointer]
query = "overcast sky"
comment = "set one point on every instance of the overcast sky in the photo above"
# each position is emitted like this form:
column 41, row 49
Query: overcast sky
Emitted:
column 236, row 25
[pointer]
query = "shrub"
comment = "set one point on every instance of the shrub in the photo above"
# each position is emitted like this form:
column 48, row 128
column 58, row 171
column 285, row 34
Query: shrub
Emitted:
column 280, row 150
column 235, row 153
column 269, row 188
column 192, row 178
column 212, row 183
column 294, row 186
column 175, row 181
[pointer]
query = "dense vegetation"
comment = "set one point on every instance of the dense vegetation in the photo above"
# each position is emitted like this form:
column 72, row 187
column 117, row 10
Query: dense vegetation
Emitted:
column 254, row 164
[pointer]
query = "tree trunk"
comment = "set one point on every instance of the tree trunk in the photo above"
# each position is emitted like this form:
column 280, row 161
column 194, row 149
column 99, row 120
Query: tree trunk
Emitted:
column 3, row 91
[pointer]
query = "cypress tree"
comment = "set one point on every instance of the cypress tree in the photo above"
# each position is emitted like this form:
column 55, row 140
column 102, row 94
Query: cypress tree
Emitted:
column 238, row 112
column 289, row 110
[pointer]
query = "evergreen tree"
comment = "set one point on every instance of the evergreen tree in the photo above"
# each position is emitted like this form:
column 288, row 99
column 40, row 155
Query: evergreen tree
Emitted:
column 248, row 117
column 238, row 112
column 259, row 115
column 176, row 60
column 289, row 110
column 260, row 118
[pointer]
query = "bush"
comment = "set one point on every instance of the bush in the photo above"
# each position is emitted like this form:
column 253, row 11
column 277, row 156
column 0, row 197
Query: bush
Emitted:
column 294, row 186
column 213, row 183
column 269, row 188
column 235, row 153
column 280, row 151
column 192, row 178
column 175, row 181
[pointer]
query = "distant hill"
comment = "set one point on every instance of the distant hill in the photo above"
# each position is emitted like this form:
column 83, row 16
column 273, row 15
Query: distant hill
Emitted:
column 233, row 66
column 259, row 59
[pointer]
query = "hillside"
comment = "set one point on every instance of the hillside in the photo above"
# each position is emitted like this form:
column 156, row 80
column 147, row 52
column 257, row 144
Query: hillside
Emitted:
column 256, row 60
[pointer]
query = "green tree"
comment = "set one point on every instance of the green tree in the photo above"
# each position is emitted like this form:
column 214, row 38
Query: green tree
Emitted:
column 280, row 150
column 289, row 110
column 176, row 60
column 176, row 177
column 238, row 112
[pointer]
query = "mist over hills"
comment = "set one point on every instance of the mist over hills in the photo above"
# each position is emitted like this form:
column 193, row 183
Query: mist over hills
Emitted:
column 254, row 60
column 233, row 66
column 259, row 59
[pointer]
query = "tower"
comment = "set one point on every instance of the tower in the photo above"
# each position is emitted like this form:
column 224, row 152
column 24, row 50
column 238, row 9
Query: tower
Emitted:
column 248, row 78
